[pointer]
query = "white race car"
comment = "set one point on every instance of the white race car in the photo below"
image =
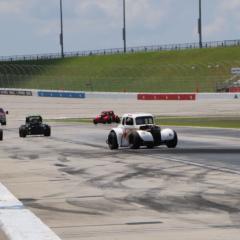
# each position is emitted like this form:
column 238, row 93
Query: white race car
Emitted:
column 137, row 130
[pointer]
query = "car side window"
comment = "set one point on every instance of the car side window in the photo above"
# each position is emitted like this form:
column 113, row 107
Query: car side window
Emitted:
column 129, row 121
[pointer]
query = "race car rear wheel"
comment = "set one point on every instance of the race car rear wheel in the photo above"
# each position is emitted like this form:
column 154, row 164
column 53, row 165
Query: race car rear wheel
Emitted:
column 112, row 140
column 173, row 143
column 134, row 141
column 1, row 135
column 22, row 133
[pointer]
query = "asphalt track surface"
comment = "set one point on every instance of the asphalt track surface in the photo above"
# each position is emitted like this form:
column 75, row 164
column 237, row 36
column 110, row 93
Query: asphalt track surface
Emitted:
column 83, row 190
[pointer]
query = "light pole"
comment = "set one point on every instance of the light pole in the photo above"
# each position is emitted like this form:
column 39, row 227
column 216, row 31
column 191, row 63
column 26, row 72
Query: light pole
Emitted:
column 124, row 27
column 200, row 24
column 61, row 27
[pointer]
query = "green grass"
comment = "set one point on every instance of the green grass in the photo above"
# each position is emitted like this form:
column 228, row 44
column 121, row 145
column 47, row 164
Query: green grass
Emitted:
column 71, row 120
column 166, row 71
column 219, row 122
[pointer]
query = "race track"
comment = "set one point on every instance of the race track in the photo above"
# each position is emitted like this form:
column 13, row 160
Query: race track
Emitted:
column 83, row 190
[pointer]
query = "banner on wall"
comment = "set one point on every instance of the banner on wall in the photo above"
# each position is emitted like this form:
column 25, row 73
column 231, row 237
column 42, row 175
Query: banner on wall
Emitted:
column 61, row 94
column 16, row 92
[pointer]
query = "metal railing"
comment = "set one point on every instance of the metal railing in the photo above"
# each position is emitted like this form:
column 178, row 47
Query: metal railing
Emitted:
column 154, row 48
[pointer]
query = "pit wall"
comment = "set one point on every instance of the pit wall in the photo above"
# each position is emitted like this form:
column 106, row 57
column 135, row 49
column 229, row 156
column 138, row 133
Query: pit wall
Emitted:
column 120, row 95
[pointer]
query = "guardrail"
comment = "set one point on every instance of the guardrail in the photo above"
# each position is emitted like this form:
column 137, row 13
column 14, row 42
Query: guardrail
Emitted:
column 153, row 48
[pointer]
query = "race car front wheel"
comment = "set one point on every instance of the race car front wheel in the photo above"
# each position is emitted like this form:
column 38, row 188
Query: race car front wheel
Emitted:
column 47, row 131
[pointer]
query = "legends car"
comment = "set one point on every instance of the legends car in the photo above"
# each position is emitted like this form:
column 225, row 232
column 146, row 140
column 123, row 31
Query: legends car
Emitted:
column 1, row 134
column 136, row 130
column 106, row 117
column 3, row 120
column 34, row 126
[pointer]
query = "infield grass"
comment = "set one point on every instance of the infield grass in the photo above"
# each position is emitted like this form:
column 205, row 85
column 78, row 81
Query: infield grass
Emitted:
column 217, row 122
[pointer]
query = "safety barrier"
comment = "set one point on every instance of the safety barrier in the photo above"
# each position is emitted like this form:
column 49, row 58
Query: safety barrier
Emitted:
column 61, row 94
column 217, row 96
column 167, row 96
column 16, row 92
column 120, row 95
column 111, row 95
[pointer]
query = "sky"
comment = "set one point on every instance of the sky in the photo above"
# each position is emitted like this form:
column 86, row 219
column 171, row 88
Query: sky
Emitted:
column 32, row 26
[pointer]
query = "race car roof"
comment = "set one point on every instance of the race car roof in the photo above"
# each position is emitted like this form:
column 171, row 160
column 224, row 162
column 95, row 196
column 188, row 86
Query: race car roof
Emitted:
column 135, row 115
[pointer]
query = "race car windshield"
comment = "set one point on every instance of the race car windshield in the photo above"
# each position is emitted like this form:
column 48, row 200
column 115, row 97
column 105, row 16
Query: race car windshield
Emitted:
column 35, row 119
column 144, row 120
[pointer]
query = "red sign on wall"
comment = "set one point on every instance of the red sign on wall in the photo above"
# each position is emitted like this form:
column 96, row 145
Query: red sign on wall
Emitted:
column 234, row 89
column 167, row 96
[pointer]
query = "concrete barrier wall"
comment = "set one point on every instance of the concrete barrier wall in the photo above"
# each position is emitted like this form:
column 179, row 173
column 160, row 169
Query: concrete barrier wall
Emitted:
column 217, row 96
column 120, row 95
column 111, row 95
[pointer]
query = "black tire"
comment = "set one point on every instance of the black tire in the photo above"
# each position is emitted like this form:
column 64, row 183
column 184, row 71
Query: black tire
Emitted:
column 1, row 135
column 95, row 121
column 112, row 140
column 173, row 143
column 3, row 123
column 22, row 132
column 134, row 141
column 150, row 145
column 47, row 131
column 117, row 119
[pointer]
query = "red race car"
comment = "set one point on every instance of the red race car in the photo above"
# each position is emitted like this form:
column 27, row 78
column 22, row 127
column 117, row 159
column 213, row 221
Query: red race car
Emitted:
column 106, row 117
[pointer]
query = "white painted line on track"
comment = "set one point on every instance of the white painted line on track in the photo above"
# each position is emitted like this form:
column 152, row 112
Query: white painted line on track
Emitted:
column 19, row 223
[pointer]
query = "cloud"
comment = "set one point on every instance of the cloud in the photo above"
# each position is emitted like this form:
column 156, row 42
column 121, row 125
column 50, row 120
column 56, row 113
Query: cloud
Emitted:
column 224, row 18
column 148, row 13
column 91, row 24
column 215, row 27
column 87, row 15
column 11, row 6
column 233, row 5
